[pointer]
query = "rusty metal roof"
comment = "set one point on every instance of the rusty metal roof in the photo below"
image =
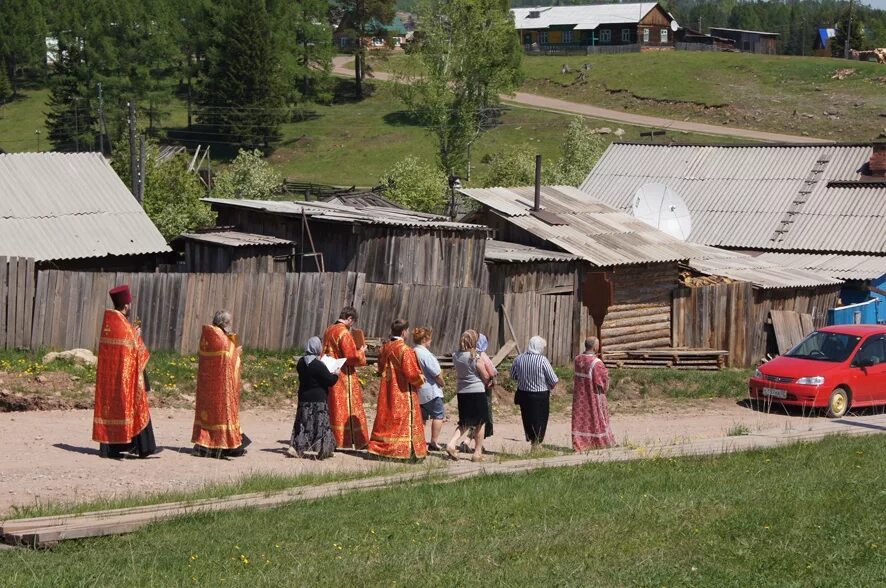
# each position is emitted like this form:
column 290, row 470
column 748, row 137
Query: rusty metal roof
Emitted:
column 234, row 239
column 502, row 252
column 845, row 267
column 739, row 195
column 56, row 206
column 332, row 212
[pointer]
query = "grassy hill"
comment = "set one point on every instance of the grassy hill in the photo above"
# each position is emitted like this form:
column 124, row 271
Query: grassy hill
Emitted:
column 348, row 142
column 793, row 95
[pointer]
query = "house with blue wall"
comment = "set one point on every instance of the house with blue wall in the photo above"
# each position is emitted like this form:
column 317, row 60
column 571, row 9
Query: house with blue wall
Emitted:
column 819, row 207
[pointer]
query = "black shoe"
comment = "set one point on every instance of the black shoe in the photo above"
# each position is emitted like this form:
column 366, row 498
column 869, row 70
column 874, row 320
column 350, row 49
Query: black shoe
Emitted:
column 434, row 447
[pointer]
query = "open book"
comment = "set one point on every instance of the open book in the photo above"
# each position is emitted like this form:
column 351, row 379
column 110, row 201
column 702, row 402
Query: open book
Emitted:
column 332, row 364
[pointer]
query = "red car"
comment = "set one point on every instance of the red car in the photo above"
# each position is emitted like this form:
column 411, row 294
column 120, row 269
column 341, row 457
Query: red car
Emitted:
column 833, row 368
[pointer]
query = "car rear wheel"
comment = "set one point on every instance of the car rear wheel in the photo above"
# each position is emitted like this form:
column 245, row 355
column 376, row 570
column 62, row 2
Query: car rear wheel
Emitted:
column 838, row 404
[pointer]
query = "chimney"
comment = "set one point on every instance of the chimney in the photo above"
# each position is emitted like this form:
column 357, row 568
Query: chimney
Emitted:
column 877, row 164
column 537, row 205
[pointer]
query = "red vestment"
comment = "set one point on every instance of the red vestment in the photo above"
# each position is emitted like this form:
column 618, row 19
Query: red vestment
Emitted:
column 346, row 413
column 217, row 408
column 590, row 411
column 398, row 430
column 121, row 401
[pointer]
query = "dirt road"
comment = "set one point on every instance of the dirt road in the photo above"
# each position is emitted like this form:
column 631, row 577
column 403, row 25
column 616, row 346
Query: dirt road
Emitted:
column 49, row 456
column 544, row 103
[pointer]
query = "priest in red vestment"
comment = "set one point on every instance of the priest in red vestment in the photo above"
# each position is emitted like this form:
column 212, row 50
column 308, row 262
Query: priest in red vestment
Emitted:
column 122, row 420
column 346, row 413
column 398, row 431
column 217, row 408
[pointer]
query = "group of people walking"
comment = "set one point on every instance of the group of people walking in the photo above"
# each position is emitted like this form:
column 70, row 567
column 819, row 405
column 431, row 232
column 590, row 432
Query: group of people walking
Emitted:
column 330, row 413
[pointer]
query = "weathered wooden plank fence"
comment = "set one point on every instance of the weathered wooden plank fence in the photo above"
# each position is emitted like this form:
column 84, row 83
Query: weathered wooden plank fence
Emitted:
column 734, row 317
column 16, row 301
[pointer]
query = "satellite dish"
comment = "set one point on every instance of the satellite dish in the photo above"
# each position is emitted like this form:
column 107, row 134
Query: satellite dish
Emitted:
column 675, row 26
column 660, row 207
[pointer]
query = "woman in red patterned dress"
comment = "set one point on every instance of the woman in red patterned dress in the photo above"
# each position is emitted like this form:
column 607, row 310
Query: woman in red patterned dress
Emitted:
column 590, row 411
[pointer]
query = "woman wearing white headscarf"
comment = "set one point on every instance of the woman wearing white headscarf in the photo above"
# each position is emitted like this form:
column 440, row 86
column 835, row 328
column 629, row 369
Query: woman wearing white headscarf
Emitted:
column 535, row 379
column 312, row 433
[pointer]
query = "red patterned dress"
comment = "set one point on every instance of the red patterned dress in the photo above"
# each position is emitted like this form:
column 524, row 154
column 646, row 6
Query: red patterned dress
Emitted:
column 590, row 411
column 398, row 431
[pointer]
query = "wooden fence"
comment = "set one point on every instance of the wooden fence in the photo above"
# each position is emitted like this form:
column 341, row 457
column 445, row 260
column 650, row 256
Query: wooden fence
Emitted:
column 16, row 301
column 580, row 49
column 734, row 317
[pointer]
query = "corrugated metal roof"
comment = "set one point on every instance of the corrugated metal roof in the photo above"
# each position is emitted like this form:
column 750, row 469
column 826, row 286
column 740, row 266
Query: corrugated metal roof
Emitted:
column 56, row 206
column 346, row 214
column 762, row 273
column 235, row 239
column 605, row 237
column 592, row 230
column 845, row 267
column 738, row 195
column 502, row 252
column 586, row 17
column 362, row 200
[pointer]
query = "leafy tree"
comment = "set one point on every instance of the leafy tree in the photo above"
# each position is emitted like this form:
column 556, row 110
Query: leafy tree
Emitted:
column 172, row 193
column 22, row 37
column 249, row 176
column 243, row 97
column 581, row 150
column 416, row 185
column 468, row 55
column 363, row 19
column 856, row 38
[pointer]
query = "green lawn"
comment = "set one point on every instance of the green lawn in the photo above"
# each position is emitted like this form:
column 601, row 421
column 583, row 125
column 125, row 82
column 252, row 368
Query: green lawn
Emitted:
column 804, row 515
column 20, row 118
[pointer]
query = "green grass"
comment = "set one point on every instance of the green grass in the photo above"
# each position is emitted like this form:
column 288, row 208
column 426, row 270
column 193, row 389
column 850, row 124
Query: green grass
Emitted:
column 769, row 93
column 20, row 118
column 804, row 515
column 265, row 483
column 763, row 92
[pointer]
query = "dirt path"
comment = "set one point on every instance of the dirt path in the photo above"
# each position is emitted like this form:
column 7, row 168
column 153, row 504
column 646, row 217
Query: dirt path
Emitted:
column 544, row 103
column 49, row 456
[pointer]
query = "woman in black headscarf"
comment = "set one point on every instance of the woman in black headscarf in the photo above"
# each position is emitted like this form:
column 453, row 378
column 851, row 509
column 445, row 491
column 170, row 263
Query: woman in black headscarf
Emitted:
column 312, row 433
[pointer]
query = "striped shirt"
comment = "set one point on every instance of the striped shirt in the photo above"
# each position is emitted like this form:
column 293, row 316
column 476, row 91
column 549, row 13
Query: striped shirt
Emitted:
column 533, row 373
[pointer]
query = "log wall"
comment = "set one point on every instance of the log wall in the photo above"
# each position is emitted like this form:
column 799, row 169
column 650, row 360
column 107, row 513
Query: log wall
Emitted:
column 16, row 301
column 640, row 316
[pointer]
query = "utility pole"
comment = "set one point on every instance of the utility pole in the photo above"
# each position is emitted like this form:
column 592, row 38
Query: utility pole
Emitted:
column 141, row 169
column 848, row 33
column 699, row 23
column 101, row 121
column 133, row 157
column 76, row 124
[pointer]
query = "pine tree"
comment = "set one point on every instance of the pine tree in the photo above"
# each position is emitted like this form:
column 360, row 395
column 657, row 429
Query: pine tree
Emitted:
column 71, row 121
column 856, row 38
column 22, row 37
column 364, row 19
column 306, row 41
column 5, row 86
column 243, row 97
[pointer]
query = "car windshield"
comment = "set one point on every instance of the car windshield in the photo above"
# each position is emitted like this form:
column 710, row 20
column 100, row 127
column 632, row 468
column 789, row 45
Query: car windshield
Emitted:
column 823, row 346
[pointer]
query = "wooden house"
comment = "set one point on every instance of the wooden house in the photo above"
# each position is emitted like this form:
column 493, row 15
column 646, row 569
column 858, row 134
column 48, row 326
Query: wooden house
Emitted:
column 750, row 41
column 647, row 25
column 225, row 251
column 625, row 274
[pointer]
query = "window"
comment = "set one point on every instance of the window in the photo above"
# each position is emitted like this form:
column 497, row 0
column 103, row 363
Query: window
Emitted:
column 664, row 35
column 567, row 36
column 542, row 37
column 626, row 35
column 605, row 36
column 823, row 346
column 872, row 351
column 645, row 35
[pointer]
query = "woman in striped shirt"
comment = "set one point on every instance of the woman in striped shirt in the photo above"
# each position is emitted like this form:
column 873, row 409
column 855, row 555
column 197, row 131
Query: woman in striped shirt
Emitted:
column 535, row 379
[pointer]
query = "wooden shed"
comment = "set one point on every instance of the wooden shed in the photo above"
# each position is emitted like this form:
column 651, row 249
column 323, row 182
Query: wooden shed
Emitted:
column 233, row 251
column 390, row 246
column 749, row 41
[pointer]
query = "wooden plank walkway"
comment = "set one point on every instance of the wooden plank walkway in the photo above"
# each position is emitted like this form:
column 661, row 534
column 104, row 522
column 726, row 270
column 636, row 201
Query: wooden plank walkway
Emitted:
column 48, row 531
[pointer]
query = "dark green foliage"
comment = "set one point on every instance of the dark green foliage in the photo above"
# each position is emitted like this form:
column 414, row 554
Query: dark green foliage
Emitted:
column 242, row 99
column 362, row 20
column 306, row 41
column 22, row 38
column 853, row 34
column 71, row 121
column 5, row 86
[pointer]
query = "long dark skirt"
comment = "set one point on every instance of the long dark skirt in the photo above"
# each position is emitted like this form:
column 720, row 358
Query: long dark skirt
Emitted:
column 473, row 411
column 141, row 445
column 312, row 431
column 535, row 407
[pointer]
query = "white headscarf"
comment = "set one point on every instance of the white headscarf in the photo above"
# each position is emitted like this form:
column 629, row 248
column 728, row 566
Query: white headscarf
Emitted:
column 313, row 348
column 537, row 345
